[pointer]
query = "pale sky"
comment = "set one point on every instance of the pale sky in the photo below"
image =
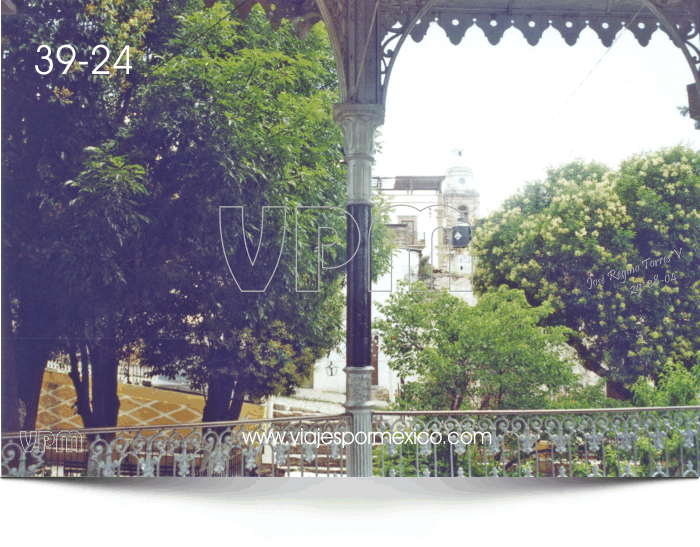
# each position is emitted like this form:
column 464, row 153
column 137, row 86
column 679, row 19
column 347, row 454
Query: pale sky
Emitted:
column 497, row 102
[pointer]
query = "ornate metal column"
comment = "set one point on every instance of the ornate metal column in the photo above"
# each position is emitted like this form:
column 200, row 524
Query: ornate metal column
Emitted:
column 359, row 122
column 353, row 31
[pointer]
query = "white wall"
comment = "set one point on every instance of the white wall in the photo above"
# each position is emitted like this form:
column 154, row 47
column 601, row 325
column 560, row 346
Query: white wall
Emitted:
column 387, row 377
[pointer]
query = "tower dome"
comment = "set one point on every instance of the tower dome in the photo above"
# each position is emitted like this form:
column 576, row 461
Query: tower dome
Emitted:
column 459, row 178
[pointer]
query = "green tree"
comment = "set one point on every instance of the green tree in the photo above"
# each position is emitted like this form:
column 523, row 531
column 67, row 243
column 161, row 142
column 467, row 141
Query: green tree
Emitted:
column 112, row 233
column 676, row 386
column 52, row 125
column 242, row 119
column 489, row 356
column 592, row 242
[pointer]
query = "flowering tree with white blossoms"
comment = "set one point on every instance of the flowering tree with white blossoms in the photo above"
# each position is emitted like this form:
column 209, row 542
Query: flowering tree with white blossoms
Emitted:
column 614, row 252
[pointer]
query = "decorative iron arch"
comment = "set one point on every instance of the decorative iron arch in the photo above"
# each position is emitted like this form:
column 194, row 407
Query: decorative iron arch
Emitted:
column 400, row 19
column 367, row 35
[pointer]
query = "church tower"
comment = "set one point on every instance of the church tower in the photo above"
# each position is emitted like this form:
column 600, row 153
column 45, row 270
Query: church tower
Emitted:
column 459, row 194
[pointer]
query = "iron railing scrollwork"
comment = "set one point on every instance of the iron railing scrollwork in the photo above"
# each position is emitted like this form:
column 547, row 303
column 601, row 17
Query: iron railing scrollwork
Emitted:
column 589, row 443
column 275, row 447
column 625, row 442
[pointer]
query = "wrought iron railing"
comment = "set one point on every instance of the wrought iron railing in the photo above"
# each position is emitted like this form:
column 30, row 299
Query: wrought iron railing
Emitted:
column 631, row 442
column 627, row 442
column 273, row 448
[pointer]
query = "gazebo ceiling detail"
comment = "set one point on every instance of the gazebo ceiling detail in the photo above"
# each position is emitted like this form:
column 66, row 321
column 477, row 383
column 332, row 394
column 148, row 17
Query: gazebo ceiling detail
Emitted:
column 532, row 18
column 531, row 24
column 366, row 35
column 494, row 17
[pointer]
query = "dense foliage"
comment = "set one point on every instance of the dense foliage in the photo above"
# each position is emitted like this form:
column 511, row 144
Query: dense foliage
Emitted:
column 111, row 193
column 677, row 386
column 489, row 356
column 614, row 253
column 72, row 222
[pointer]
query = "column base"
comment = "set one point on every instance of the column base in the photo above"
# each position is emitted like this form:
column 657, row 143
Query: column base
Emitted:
column 359, row 406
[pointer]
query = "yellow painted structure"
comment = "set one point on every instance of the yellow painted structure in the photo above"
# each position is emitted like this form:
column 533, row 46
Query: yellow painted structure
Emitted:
column 139, row 405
